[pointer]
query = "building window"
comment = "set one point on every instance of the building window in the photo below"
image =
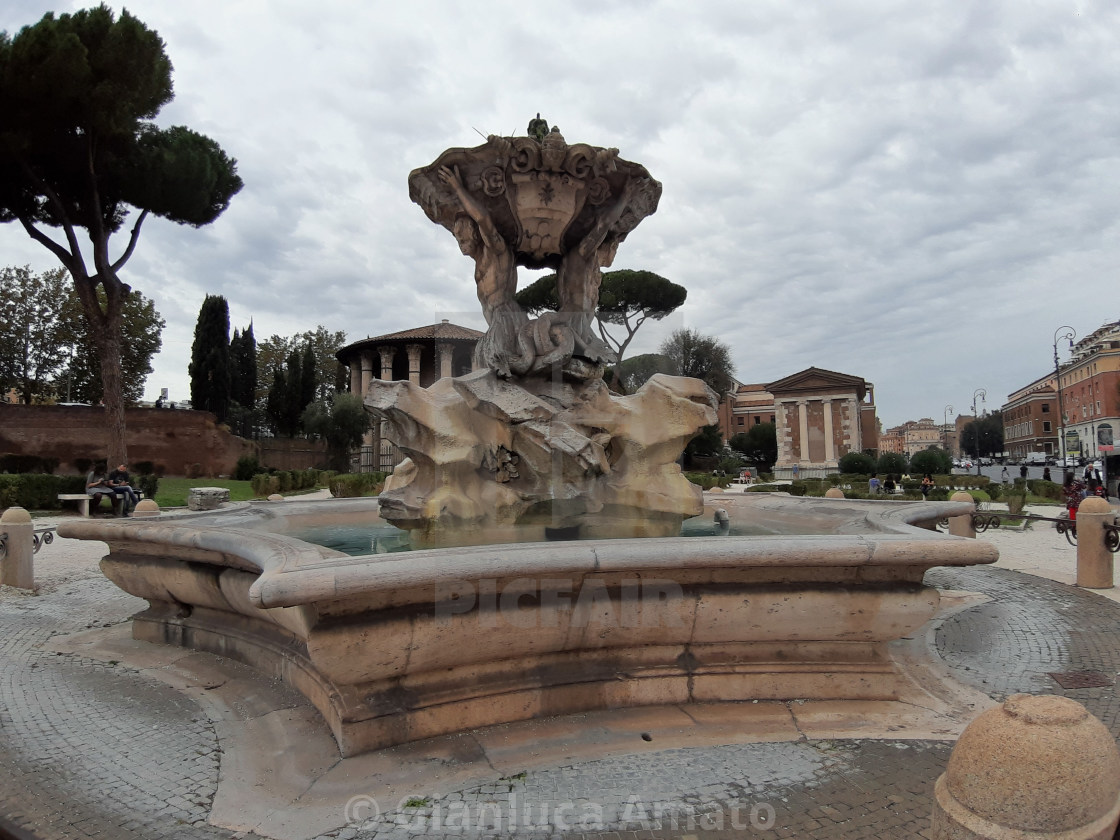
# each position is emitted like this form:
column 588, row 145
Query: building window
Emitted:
column 771, row 418
column 1045, row 425
column 740, row 419
column 757, row 420
column 1046, row 408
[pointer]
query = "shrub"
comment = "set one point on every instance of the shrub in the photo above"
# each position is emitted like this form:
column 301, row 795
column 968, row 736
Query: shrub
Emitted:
column 260, row 483
column 82, row 465
column 9, row 489
column 798, row 488
column 247, row 467
column 194, row 470
column 144, row 467
column 1045, row 489
column 27, row 464
column 891, row 462
column 935, row 461
column 857, row 462
column 994, row 490
column 149, row 485
column 350, row 485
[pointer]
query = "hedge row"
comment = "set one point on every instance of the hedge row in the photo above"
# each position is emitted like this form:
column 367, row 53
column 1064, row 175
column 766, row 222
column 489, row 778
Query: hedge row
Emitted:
column 38, row 491
column 287, row 481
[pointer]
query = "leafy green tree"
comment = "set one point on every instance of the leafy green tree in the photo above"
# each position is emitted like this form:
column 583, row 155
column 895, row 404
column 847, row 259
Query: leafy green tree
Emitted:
column 210, row 367
column 307, row 383
column 141, row 331
column 892, row 463
column 32, row 329
column 627, row 299
column 79, row 150
column 243, row 414
column 631, row 374
column 708, row 441
column 856, row 463
column 275, row 400
column 274, row 351
column 700, row 356
column 759, row 444
column 341, row 422
column 935, row 461
column 989, row 429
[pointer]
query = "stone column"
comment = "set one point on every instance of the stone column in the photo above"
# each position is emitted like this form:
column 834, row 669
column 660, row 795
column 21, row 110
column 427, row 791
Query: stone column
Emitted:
column 414, row 351
column 829, row 444
column 785, row 436
column 1094, row 560
column 803, row 428
column 356, row 377
column 387, row 354
column 370, row 438
column 382, row 454
column 444, row 350
column 17, row 564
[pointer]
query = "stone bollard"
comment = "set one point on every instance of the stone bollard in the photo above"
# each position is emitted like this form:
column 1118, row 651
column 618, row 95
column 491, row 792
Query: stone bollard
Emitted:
column 961, row 526
column 17, row 567
column 834, row 493
column 207, row 498
column 1033, row 767
column 276, row 497
column 146, row 507
column 1094, row 560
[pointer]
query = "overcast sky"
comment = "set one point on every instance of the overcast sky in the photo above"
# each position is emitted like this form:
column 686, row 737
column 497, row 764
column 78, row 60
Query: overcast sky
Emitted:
column 916, row 193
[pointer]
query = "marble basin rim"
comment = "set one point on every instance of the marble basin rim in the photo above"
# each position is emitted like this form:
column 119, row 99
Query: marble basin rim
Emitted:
column 399, row 647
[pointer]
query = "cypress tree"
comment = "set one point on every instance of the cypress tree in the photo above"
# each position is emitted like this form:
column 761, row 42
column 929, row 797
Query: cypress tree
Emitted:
column 209, row 368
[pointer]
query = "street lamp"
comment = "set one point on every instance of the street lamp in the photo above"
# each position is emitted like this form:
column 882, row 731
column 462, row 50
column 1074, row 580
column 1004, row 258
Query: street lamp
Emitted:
column 945, row 426
column 983, row 395
column 1071, row 335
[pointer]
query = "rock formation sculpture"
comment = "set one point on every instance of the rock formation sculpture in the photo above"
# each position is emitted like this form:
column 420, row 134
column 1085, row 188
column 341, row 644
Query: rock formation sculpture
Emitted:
column 533, row 443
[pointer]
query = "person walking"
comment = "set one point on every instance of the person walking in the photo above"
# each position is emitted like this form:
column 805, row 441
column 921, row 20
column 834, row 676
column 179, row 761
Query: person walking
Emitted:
column 1023, row 471
column 874, row 486
column 1046, row 474
column 927, row 485
column 1004, row 476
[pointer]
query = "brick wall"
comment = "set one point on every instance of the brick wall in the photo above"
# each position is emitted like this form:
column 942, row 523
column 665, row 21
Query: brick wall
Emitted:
column 172, row 439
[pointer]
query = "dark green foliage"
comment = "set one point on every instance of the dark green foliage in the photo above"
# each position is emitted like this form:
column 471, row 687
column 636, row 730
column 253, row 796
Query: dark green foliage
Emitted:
column 33, row 348
column 856, row 462
column 759, row 444
column 892, row 463
column 989, row 428
column 708, row 441
column 79, row 149
column 38, row 491
column 350, row 485
column 141, row 330
column 934, row 461
column 341, row 423
column 149, row 485
column 631, row 374
column 1046, row 489
column 707, row 481
column 264, row 485
column 144, row 468
column 247, row 467
column 307, row 389
column 700, row 356
column 243, row 383
column 210, row 358
column 798, row 488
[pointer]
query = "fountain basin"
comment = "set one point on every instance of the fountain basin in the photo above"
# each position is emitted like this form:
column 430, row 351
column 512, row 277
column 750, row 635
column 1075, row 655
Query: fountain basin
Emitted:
column 392, row 648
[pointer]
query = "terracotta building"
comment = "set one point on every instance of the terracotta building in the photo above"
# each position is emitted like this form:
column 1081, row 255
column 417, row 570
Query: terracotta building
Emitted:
column 421, row 355
column 1089, row 394
column 1030, row 419
column 746, row 406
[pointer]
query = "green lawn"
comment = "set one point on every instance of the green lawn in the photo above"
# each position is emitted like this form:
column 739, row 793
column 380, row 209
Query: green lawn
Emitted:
column 173, row 491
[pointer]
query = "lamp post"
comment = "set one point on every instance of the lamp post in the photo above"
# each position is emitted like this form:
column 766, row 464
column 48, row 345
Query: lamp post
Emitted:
column 1071, row 335
column 945, row 426
column 983, row 395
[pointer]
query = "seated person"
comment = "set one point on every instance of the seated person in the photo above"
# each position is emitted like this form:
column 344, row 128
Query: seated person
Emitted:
column 119, row 481
column 97, row 485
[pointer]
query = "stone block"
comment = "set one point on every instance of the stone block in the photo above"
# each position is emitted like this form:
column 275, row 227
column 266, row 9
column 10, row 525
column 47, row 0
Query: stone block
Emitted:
column 207, row 498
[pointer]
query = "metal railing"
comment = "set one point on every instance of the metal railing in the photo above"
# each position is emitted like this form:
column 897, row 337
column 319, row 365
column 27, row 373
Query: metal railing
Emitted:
column 39, row 538
column 985, row 520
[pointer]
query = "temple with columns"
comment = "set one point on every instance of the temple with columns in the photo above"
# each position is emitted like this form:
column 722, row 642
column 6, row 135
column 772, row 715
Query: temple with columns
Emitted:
column 421, row 355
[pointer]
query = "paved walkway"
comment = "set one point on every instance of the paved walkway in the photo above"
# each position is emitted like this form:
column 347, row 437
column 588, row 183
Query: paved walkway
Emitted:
column 96, row 747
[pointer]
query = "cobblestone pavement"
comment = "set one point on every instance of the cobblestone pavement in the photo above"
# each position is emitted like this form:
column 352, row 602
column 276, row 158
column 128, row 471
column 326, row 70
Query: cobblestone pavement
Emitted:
column 97, row 750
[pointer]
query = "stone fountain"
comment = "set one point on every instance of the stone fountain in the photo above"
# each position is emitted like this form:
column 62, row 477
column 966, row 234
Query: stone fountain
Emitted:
column 392, row 648
column 532, row 444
